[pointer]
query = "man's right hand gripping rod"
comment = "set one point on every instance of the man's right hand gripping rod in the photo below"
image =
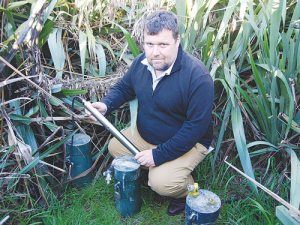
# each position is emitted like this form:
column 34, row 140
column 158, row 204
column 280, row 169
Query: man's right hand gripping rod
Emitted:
column 117, row 134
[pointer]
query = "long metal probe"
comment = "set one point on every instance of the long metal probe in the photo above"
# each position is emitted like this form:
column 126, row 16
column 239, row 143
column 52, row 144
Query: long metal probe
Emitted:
column 117, row 134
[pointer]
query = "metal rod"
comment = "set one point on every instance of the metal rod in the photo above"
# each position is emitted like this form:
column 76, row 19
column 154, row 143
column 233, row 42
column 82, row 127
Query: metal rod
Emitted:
column 117, row 134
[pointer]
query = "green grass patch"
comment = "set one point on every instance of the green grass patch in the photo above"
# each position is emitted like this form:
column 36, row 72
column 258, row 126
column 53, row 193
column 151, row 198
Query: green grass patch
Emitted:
column 95, row 203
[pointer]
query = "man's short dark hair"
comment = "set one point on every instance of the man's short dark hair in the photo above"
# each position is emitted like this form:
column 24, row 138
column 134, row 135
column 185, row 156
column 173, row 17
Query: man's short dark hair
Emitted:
column 159, row 20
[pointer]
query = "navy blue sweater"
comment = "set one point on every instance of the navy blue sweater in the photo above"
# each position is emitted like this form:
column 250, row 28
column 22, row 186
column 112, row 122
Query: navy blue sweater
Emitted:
column 177, row 114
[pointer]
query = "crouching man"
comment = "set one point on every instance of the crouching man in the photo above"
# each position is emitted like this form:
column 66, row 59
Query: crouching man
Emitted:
column 175, row 95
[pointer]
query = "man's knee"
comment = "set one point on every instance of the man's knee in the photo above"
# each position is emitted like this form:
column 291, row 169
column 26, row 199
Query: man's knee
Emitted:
column 168, row 187
column 169, row 190
column 113, row 147
column 117, row 149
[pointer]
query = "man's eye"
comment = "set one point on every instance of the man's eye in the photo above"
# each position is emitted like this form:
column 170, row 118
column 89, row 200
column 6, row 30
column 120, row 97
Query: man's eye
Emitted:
column 149, row 44
column 163, row 45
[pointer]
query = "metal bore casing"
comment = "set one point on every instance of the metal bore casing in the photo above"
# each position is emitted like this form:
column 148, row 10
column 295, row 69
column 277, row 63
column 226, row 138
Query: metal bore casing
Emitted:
column 108, row 126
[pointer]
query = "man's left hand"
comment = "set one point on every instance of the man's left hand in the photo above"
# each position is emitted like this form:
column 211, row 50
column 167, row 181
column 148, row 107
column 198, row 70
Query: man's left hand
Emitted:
column 145, row 158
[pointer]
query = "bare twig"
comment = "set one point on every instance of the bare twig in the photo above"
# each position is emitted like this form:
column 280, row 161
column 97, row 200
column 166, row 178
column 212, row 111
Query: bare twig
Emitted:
column 10, row 81
column 4, row 220
column 60, row 118
column 107, row 157
column 275, row 196
column 292, row 86
column 55, row 167
column 49, row 138
column 2, row 109
column 37, row 86
column 15, row 99
column 14, row 177
column 40, row 188
column 103, row 164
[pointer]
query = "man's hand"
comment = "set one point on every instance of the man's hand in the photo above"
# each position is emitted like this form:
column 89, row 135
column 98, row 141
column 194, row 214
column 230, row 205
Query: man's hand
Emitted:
column 145, row 158
column 101, row 107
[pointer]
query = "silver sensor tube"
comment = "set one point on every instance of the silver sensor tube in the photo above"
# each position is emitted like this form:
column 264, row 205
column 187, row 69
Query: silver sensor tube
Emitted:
column 108, row 126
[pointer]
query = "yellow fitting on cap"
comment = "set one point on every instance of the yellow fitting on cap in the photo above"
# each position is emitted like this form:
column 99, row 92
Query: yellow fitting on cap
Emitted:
column 194, row 190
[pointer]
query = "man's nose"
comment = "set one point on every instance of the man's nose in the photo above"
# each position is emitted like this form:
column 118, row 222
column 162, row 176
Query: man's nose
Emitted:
column 155, row 50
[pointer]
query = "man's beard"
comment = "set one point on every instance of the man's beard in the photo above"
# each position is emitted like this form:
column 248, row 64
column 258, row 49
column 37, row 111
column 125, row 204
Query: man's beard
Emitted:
column 164, row 67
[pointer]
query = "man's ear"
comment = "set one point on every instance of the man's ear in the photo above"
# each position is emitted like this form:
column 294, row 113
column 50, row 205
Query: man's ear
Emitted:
column 178, row 41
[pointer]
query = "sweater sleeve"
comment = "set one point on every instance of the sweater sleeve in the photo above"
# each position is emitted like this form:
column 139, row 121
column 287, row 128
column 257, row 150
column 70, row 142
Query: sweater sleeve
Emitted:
column 199, row 111
column 122, row 91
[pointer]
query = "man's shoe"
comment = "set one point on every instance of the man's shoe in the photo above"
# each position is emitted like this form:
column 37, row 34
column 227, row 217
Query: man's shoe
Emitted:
column 176, row 206
column 159, row 200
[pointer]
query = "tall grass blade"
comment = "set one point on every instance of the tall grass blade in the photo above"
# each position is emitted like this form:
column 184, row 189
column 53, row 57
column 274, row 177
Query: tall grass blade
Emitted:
column 57, row 50
column 25, row 131
column 73, row 91
column 16, row 4
column 134, row 49
column 295, row 126
column 135, row 52
column 101, row 60
column 295, row 180
column 45, row 33
column 210, row 5
column 277, row 11
column 193, row 29
column 23, row 119
column 258, row 79
column 262, row 210
column 224, row 24
column 49, row 10
column 252, row 18
column 294, row 19
column 257, row 143
column 10, row 17
column 133, row 106
column 290, row 99
column 294, row 62
column 25, row 150
column 243, row 8
column 221, row 133
column 240, row 140
column 83, row 48
column 36, row 160
column 91, row 41
column 56, row 101
column 181, row 14
column 106, row 45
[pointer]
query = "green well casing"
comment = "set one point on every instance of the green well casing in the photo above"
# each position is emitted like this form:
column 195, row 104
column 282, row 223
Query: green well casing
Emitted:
column 127, row 185
column 202, row 209
column 81, row 158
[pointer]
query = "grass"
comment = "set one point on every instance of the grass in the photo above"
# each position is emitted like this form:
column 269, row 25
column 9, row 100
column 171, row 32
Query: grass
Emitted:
column 95, row 204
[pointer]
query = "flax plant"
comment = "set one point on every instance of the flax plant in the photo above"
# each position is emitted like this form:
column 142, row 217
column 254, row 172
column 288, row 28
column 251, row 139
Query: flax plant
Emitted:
column 33, row 148
column 268, row 107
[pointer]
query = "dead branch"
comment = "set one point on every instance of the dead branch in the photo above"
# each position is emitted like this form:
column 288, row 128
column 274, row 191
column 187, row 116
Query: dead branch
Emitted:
column 26, row 29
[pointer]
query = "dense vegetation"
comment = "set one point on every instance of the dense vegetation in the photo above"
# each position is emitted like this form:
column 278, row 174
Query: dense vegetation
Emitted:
column 53, row 50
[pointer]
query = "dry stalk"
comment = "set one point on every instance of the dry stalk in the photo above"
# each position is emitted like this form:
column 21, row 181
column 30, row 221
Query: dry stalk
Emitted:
column 40, row 188
column 55, row 167
column 35, row 85
column 28, row 26
column 275, row 196
column 2, row 109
